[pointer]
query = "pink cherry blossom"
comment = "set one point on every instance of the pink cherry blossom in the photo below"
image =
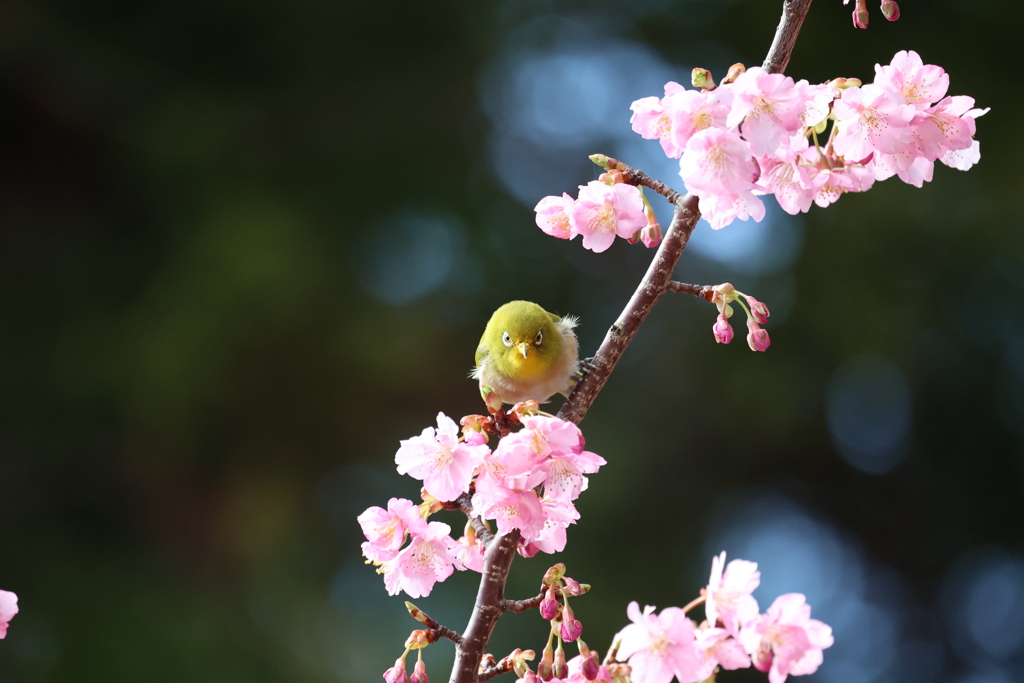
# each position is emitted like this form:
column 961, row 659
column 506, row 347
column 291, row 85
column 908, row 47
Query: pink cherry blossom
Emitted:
column 425, row 561
column 917, row 83
column 436, row 457
column 787, row 637
column 692, row 111
column 469, row 554
column 652, row 120
column 553, row 217
column 785, row 173
column 769, row 107
column 719, row 210
column 516, row 510
column 717, row 162
column 604, row 211
column 717, row 647
column 817, row 101
column 560, row 436
column 659, row 647
column 385, row 529
column 868, row 119
column 565, row 480
column 728, row 596
column 8, row 608
column 963, row 159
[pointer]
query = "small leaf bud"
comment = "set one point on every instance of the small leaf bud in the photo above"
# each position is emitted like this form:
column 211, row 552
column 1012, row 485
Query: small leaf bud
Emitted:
column 734, row 72
column 417, row 614
column 601, row 160
column 701, row 78
column 891, row 10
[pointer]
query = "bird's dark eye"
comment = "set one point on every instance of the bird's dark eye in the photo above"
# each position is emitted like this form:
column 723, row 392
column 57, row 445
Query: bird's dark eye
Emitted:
column 506, row 339
column 539, row 339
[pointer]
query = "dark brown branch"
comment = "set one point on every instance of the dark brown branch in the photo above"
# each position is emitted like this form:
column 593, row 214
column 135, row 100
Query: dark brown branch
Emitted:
column 488, row 607
column 482, row 532
column 706, row 292
column 504, row 666
column 519, row 606
column 434, row 629
column 793, row 13
column 651, row 288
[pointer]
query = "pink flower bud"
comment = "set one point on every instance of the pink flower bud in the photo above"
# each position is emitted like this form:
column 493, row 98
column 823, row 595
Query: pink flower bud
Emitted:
column 547, row 660
column 651, row 235
column 560, row 669
column 529, row 677
column 722, row 329
column 570, row 630
column 758, row 309
column 549, row 605
column 763, row 659
column 723, row 293
column 591, row 667
column 860, row 17
column 396, row 674
column 573, row 586
column 891, row 10
column 757, row 338
column 419, row 673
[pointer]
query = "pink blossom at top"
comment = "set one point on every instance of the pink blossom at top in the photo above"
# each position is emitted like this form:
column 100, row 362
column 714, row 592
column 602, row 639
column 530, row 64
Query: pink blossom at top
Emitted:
column 604, row 211
column 728, row 596
column 553, row 217
column 716, row 646
column 917, row 83
column 425, row 561
column 817, row 101
column 8, row 608
column 516, row 510
column 560, row 436
column 785, row 174
column 769, row 107
column 385, row 529
column 717, row 162
column 659, row 647
column 870, row 118
column 787, row 636
column 692, row 111
column 565, row 480
column 438, row 458
column 944, row 127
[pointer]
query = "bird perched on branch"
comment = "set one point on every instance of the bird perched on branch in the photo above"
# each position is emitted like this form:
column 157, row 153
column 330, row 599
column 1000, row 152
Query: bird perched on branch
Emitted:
column 527, row 353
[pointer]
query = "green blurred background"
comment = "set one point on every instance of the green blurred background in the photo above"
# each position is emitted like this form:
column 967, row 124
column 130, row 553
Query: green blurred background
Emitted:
column 245, row 248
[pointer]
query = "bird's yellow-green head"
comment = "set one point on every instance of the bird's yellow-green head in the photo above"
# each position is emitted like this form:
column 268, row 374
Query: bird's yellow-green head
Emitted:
column 521, row 340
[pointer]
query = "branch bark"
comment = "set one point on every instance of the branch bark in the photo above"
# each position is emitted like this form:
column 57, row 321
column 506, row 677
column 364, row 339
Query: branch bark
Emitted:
column 490, row 600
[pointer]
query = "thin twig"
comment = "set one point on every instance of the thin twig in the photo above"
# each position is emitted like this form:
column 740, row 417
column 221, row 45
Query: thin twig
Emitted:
column 706, row 292
column 479, row 527
column 504, row 666
column 793, row 14
column 519, row 606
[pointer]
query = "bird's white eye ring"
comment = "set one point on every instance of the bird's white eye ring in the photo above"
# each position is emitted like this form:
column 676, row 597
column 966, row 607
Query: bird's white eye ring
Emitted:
column 540, row 337
column 506, row 339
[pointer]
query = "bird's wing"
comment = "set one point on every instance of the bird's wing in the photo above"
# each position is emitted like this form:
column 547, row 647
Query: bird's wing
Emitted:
column 481, row 354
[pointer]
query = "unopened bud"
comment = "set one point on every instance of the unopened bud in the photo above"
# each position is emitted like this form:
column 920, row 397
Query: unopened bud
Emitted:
column 844, row 83
column 612, row 177
column 549, row 605
column 651, row 235
column 528, row 677
column 860, row 17
column 601, row 160
column 572, row 585
column 524, row 408
column 397, row 674
column 734, row 72
column 757, row 338
column 722, row 329
column 519, row 659
column 723, row 293
column 758, row 309
column 762, row 659
column 417, row 614
column 570, row 630
column 491, row 400
column 891, row 10
column 701, row 78
column 474, row 423
column 560, row 669
column 591, row 667
column 619, row 671
column 419, row 673
column 430, row 505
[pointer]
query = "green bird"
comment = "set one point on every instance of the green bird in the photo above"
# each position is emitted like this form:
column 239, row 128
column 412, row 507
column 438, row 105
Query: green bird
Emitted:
column 527, row 353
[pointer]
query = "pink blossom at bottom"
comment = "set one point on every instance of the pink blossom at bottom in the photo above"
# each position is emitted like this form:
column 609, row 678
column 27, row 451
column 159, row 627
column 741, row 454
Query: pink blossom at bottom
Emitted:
column 385, row 529
column 8, row 608
column 604, row 211
column 659, row 647
column 717, row 647
column 424, row 562
column 719, row 210
column 787, row 637
column 469, row 554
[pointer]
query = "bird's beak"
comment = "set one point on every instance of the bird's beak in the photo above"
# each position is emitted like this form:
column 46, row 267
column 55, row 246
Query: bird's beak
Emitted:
column 523, row 348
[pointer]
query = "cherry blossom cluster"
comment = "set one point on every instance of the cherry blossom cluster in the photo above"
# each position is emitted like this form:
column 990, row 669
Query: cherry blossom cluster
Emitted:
column 784, row 641
column 757, row 315
column 528, row 482
column 605, row 208
column 761, row 133
column 8, row 608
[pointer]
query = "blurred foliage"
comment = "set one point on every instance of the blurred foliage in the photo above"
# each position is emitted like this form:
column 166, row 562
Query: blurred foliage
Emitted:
column 202, row 384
